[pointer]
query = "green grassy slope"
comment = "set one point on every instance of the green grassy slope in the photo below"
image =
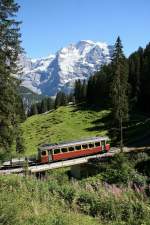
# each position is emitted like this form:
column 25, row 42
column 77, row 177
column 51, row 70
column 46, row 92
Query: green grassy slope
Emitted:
column 65, row 123
column 71, row 123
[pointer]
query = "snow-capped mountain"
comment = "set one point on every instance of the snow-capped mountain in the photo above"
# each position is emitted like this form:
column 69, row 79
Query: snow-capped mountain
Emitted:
column 58, row 72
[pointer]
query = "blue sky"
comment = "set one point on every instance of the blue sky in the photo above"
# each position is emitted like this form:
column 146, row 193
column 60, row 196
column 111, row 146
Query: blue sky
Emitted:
column 48, row 25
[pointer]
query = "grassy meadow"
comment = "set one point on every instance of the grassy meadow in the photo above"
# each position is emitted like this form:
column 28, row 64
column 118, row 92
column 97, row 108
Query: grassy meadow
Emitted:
column 63, row 124
column 73, row 123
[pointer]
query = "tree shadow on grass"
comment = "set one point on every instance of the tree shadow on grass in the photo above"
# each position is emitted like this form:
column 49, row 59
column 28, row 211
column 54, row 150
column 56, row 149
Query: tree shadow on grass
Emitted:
column 100, row 124
column 136, row 132
column 85, row 107
column 105, row 123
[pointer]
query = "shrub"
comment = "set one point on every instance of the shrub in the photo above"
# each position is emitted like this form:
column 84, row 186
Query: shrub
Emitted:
column 59, row 220
column 118, row 171
column 68, row 193
column 86, row 202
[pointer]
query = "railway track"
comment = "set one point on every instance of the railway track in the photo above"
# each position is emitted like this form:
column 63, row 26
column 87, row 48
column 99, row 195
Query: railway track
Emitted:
column 70, row 162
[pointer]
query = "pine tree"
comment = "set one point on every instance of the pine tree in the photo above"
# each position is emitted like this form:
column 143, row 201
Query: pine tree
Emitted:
column 145, row 80
column 101, row 86
column 50, row 104
column 44, row 105
column 80, row 91
column 61, row 99
column 9, row 51
column 77, row 91
column 34, row 110
column 20, row 146
column 98, row 87
column 20, row 108
column 90, row 91
column 38, row 106
column 135, row 67
column 71, row 98
column 64, row 100
column 119, row 87
column 83, row 91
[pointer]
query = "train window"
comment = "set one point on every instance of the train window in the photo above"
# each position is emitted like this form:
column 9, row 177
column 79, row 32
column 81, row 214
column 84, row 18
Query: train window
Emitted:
column 91, row 145
column 56, row 151
column 64, row 150
column 78, row 147
column 71, row 149
column 84, row 146
column 43, row 153
column 102, row 143
column 97, row 144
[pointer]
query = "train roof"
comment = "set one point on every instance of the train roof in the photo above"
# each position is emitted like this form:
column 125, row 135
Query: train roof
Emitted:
column 70, row 143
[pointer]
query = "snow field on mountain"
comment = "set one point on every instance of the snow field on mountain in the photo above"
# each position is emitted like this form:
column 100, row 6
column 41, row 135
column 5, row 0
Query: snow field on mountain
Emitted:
column 58, row 72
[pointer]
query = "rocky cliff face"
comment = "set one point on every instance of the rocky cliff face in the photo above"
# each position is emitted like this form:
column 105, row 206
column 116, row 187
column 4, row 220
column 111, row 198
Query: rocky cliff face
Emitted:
column 58, row 72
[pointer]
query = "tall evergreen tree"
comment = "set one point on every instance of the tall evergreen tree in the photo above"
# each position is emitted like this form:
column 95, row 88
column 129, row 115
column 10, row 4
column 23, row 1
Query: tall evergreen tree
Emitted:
column 38, row 106
column 20, row 146
column 64, row 99
column 98, row 87
column 145, row 80
column 61, row 99
column 50, row 103
column 135, row 67
column 9, row 51
column 71, row 98
column 119, row 87
column 80, row 91
column 44, row 105
column 77, row 91
column 33, row 110
column 83, row 91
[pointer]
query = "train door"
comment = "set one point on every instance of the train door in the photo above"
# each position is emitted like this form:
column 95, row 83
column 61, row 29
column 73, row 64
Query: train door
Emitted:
column 103, row 145
column 44, row 156
column 49, row 155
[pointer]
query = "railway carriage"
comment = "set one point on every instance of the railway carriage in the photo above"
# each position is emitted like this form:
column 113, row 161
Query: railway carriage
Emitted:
column 75, row 149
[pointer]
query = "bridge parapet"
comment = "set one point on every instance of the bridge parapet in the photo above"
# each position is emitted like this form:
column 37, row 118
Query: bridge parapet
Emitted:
column 71, row 162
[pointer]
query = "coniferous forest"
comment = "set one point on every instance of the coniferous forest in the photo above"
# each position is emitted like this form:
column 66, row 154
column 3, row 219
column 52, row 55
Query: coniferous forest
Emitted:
column 11, row 107
column 98, row 89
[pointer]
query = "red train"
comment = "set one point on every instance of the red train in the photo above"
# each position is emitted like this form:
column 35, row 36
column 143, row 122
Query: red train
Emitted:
column 63, row 151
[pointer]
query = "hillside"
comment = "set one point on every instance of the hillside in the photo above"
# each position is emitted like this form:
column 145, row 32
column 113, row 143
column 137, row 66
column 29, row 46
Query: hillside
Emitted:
column 65, row 123
column 71, row 123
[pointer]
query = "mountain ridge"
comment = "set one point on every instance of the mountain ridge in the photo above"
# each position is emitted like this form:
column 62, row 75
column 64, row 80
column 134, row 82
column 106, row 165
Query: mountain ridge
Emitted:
column 51, row 74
